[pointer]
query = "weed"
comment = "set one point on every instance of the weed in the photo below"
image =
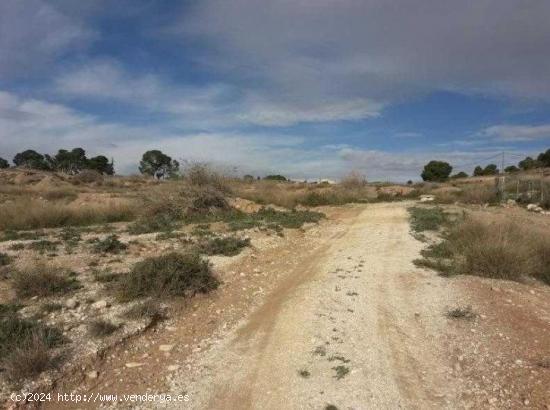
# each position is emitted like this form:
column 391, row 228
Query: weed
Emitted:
column 229, row 246
column 29, row 358
column 341, row 371
column 149, row 309
column 173, row 274
column 17, row 247
column 111, row 244
column 51, row 307
column 43, row 280
column 427, row 219
column 5, row 259
column 320, row 351
column 44, row 246
column 14, row 331
column 339, row 358
column 25, row 214
column 10, row 235
column 461, row 313
column 304, row 373
column 105, row 276
column 102, row 328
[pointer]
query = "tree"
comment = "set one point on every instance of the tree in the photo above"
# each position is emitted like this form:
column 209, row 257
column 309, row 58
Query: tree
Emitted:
column 478, row 171
column 461, row 174
column 490, row 169
column 511, row 168
column 30, row 159
column 529, row 163
column 101, row 164
column 157, row 164
column 275, row 178
column 4, row 164
column 437, row 171
column 69, row 162
column 544, row 158
column 248, row 178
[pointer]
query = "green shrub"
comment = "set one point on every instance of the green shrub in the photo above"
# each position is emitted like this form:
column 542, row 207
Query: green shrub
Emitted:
column 427, row 219
column 173, row 274
column 44, row 246
column 5, row 259
column 229, row 246
column 111, row 244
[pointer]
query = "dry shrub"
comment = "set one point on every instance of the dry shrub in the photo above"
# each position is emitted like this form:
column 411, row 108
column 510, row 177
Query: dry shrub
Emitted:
column 59, row 194
column 101, row 328
column 164, row 209
column 202, row 175
column 36, row 214
column 41, row 279
column 87, row 176
column 479, row 195
column 29, row 358
column 502, row 250
column 354, row 180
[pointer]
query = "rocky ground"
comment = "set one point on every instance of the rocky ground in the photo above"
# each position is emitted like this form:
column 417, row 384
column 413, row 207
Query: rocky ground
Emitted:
column 335, row 314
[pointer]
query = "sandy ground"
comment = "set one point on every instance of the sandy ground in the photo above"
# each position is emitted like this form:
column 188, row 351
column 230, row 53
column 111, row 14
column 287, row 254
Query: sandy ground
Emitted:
column 355, row 326
column 337, row 314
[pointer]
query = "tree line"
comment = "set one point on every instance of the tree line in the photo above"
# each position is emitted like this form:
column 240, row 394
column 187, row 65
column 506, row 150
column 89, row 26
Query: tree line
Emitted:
column 439, row 171
column 70, row 162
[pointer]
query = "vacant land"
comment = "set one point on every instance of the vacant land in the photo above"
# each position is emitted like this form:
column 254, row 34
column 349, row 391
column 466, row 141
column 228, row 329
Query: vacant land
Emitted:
column 314, row 295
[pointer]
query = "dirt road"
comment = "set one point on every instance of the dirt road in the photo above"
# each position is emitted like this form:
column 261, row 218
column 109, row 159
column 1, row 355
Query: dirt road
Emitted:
column 354, row 325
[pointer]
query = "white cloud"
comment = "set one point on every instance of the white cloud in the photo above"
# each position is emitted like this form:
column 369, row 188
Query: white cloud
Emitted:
column 46, row 127
column 33, row 33
column 509, row 132
column 376, row 49
column 214, row 106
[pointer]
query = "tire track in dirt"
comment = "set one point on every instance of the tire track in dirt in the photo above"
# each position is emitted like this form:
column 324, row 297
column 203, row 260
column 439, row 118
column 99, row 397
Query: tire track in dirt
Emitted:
column 353, row 324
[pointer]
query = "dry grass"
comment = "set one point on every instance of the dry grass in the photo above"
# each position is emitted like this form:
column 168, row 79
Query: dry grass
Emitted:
column 42, row 279
column 37, row 214
column 290, row 195
column 501, row 249
column 30, row 358
column 101, row 328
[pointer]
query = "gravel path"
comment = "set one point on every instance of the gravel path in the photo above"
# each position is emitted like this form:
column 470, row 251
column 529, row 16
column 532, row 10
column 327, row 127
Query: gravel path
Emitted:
column 356, row 326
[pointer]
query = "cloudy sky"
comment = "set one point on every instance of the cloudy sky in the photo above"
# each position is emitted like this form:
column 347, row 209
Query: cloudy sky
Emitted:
column 306, row 88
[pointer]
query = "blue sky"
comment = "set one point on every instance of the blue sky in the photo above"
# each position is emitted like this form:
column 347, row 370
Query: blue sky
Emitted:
column 306, row 88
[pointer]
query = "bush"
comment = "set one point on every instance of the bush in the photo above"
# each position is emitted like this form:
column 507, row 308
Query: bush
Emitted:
column 87, row 176
column 44, row 246
column 427, row 219
column 29, row 358
column 43, row 280
column 111, row 244
column 479, row 195
column 5, row 259
column 149, row 309
column 173, row 274
column 503, row 250
column 201, row 175
column 25, row 344
column 101, row 328
column 229, row 246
